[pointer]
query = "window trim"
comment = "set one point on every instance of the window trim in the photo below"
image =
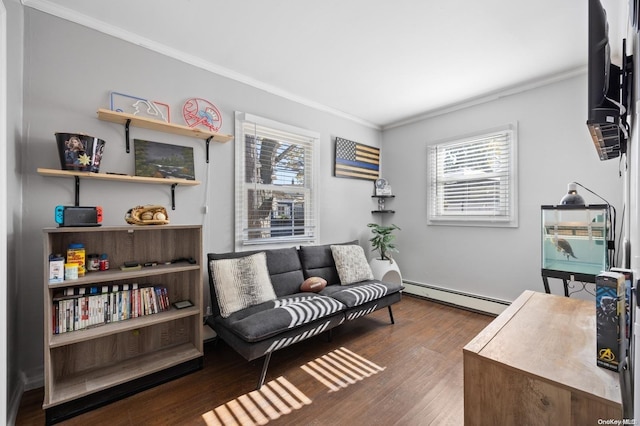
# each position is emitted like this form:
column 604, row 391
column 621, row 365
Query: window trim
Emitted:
column 508, row 221
column 241, row 187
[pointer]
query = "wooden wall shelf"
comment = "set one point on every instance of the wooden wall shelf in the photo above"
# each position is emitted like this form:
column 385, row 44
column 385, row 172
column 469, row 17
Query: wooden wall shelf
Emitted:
column 116, row 178
column 160, row 126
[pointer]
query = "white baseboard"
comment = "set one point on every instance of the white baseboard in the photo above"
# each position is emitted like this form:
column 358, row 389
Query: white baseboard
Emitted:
column 208, row 334
column 464, row 300
column 33, row 379
column 13, row 403
column 26, row 382
column 14, row 398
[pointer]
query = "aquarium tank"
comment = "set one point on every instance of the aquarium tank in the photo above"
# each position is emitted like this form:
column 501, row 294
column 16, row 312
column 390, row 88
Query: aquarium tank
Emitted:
column 574, row 239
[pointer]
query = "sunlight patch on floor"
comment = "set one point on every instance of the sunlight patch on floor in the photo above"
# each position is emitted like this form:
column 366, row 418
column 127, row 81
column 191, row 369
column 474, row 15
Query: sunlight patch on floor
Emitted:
column 341, row 368
column 274, row 399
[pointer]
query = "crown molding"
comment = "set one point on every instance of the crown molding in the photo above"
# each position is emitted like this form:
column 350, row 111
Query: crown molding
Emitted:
column 489, row 97
column 128, row 36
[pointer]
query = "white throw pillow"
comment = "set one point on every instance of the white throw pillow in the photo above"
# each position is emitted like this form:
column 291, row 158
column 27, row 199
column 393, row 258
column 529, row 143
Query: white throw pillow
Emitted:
column 241, row 282
column 351, row 264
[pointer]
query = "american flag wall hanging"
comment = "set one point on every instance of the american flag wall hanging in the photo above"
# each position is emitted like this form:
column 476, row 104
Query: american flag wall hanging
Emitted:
column 355, row 160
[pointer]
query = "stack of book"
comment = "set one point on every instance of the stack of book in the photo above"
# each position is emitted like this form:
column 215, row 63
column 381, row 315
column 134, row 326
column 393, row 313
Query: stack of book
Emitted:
column 78, row 308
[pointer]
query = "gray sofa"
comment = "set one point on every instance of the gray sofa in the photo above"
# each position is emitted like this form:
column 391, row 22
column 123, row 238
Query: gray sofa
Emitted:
column 257, row 318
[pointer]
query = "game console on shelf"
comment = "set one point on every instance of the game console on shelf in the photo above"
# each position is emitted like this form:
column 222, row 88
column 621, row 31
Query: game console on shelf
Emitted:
column 78, row 216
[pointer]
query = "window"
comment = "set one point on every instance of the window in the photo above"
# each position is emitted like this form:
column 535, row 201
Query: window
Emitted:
column 275, row 182
column 472, row 181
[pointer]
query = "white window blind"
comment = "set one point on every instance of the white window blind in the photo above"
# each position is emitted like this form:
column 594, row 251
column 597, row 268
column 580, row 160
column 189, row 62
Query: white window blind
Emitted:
column 472, row 181
column 275, row 182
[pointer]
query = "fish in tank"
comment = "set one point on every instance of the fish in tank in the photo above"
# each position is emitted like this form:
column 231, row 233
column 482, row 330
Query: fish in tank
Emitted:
column 574, row 239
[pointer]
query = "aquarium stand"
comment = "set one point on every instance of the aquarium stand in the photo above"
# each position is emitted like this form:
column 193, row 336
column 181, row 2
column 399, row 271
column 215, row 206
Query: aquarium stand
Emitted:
column 566, row 277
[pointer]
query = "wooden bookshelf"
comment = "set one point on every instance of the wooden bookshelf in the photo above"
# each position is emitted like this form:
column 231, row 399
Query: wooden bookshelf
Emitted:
column 63, row 339
column 87, row 367
column 82, row 384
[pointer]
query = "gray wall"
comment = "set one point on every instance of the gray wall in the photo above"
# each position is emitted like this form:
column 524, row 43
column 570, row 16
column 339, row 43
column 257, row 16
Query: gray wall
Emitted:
column 69, row 71
column 15, row 31
column 554, row 149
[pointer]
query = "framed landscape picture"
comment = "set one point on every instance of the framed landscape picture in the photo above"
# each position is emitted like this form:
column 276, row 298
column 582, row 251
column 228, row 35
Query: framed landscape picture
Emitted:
column 161, row 160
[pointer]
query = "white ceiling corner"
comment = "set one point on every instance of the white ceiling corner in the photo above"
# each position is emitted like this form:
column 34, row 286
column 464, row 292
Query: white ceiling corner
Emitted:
column 375, row 62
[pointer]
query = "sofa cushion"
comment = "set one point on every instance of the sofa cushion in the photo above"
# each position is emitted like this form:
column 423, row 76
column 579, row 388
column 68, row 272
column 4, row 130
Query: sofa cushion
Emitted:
column 241, row 282
column 360, row 293
column 262, row 321
column 286, row 270
column 284, row 267
column 351, row 263
column 317, row 261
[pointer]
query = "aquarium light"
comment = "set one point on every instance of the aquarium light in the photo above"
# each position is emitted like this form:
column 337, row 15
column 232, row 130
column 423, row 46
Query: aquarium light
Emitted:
column 572, row 196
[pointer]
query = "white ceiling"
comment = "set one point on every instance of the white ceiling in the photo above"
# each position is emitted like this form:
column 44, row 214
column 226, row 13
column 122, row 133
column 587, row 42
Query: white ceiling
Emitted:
column 378, row 62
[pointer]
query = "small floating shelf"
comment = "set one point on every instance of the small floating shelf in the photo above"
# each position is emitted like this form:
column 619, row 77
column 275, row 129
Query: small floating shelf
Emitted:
column 381, row 206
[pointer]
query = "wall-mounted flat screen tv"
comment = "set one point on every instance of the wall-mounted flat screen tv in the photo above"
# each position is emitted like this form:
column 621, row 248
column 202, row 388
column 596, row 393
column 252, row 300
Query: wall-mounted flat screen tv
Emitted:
column 607, row 84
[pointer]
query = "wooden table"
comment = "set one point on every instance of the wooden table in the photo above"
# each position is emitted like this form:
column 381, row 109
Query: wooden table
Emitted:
column 535, row 364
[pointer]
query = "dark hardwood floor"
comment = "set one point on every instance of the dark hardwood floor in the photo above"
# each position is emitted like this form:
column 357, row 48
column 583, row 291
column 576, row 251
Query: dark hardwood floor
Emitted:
column 409, row 373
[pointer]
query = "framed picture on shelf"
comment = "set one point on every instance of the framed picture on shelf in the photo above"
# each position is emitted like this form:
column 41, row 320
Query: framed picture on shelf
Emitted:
column 161, row 160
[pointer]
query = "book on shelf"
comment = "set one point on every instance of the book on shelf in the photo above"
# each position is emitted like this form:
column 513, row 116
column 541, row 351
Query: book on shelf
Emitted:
column 78, row 308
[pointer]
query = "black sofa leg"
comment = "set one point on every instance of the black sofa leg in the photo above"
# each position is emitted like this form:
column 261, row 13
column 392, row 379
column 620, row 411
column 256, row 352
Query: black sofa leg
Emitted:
column 391, row 314
column 265, row 366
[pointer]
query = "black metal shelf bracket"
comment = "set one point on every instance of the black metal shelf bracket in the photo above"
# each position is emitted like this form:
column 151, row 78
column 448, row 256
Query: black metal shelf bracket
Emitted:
column 173, row 196
column 208, row 142
column 77, row 200
column 126, row 134
column 77, row 193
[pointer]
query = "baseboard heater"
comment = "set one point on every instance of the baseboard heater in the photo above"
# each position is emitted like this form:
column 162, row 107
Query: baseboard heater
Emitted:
column 473, row 302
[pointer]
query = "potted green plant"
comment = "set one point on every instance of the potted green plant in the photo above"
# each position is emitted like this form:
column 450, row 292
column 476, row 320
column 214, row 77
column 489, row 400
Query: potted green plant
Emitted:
column 382, row 240
column 384, row 268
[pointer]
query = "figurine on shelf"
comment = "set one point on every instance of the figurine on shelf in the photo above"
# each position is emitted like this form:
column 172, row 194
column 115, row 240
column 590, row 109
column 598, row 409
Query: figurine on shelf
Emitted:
column 141, row 107
column 382, row 187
